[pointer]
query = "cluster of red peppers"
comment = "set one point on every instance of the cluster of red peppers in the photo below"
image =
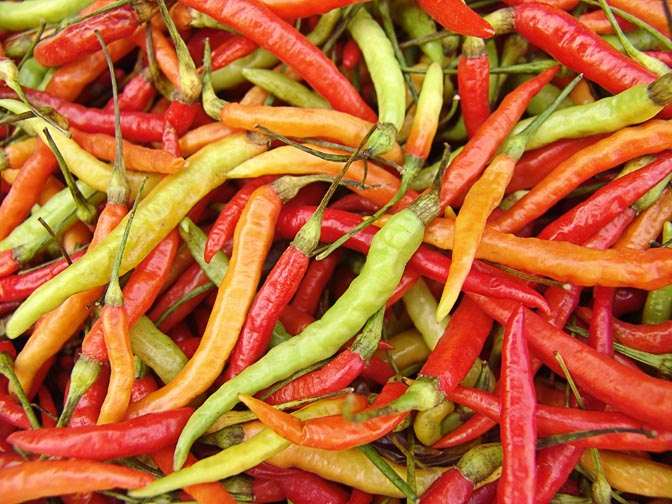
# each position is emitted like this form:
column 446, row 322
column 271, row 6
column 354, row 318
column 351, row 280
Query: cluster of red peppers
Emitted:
column 340, row 251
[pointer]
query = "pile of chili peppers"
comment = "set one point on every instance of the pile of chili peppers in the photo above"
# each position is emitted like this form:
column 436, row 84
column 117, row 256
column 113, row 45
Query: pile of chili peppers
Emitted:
column 335, row 251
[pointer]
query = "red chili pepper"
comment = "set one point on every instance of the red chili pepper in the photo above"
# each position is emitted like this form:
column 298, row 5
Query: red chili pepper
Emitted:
column 87, row 410
column 518, row 425
column 47, row 478
column 136, row 95
column 333, row 376
column 230, row 50
column 317, row 276
column 19, row 286
column 586, row 218
column 458, row 17
column 47, row 407
column 427, row 262
column 26, row 188
column 334, row 432
column 136, row 126
column 473, row 74
column 563, row 37
column 128, row 438
column 79, row 38
column 616, row 383
column 260, row 24
column 8, row 263
column 554, row 466
column 451, row 486
column 459, row 346
column 12, row 412
column 351, row 55
column 222, row 230
column 471, row 160
column 301, row 487
column 294, row 320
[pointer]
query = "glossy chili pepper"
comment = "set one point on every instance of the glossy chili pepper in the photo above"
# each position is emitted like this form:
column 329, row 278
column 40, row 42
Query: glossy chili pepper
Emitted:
column 26, row 187
column 50, row 478
column 458, row 18
column 473, row 72
column 607, row 202
column 585, row 362
column 554, row 466
column 79, row 38
column 252, row 241
column 137, row 93
column 518, row 415
column 260, row 24
column 337, row 373
column 472, row 158
column 128, row 438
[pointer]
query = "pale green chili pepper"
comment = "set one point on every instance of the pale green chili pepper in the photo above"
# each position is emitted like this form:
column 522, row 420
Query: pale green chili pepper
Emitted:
column 156, row 349
column 385, row 72
column 421, row 305
column 418, row 24
column 17, row 16
column 632, row 106
column 287, row 89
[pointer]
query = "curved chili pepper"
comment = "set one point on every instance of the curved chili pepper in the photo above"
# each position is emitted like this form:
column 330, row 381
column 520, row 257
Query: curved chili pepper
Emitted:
column 79, row 38
column 334, row 432
column 607, row 202
column 26, row 187
column 258, row 22
column 554, row 466
column 47, row 478
column 252, row 241
column 451, row 486
column 128, row 438
column 337, row 373
column 317, row 276
column 137, row 93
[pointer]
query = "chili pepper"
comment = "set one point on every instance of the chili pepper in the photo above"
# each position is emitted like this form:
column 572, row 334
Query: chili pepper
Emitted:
column 46, row 478
column 251, row 243
column 302, row 486
column 136, row 157
column 618, row 150
column 12, row 412
column 586, row 361
column 47, row 407
column 78, row 39
column 473, row 72
column 481, row 199
column 158, row 212
column 137, row 94
column 554, row 465
column 14, row 154
column 257, row 444
column 471, row 160
column 420, row 303
column 385, row 73
column 598, row 22
column 26, row 187
column 18, row 287
column 204, row 492
column 518, row 416
column 230, row 50
column 462, row 19
column 290, row 9
column 222, row 230
column 583, row 52
column 315, row 281
column 261, row 25
column 82, row 406
column 139, row 292
column 653, row 13
column 427, row 112
column 30, row 15
column 632, row 473
column 451, row 486
column 69, row 80
column 334, row 432
column 327, row 334
column 337, row 373
column 128, row 438
column 284, row 87
column 653, row 338
column 618, row 194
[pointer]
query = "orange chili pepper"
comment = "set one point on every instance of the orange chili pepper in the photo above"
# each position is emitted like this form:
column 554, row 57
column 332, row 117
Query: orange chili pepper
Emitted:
column 252, row 239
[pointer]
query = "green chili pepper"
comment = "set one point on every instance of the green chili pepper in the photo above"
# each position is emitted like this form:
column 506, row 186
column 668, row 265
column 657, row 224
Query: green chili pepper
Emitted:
column 658, row 304
column 418, row 24
column 390, row 250
column 385, row 72
column 156, row 349
column 285, row 88
column 158, row 213
column 632, row 106
column 421, row 305
column 17, row 16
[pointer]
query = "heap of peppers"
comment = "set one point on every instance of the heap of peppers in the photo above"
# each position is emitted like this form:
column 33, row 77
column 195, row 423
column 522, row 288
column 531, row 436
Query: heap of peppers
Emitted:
column 335, row 251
